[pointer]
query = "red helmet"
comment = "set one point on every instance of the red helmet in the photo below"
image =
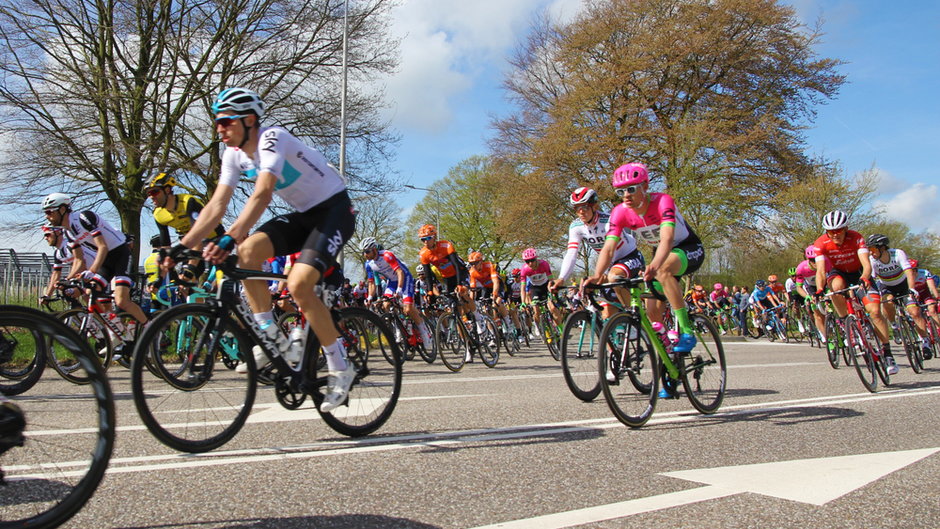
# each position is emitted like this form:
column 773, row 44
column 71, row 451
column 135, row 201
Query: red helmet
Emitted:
column 913, row 262
column 516, row 271
column 582, row 195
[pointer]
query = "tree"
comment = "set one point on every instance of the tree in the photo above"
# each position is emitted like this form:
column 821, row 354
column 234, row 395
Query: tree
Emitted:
column 380, row 218
column 713, row 95
column 463, row 208
column 100, row 95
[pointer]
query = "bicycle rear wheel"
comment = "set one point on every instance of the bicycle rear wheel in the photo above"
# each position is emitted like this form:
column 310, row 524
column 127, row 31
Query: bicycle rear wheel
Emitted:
column 862, row 354
column 69, row 432
column 451, row 344
column 627, row 370
column 94, row 331
column 703, row 371
column 579, row 341
column 22, row 358
column 549, row 332
column 488, row 343
column 374, row 393
column 196, row 404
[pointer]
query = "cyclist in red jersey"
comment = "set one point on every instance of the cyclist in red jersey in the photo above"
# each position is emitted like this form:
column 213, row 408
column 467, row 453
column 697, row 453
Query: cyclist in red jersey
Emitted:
column 847, row 251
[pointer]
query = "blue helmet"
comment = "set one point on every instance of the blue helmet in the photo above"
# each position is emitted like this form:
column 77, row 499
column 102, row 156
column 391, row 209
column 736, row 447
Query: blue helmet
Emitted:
column 760, row 283
column 239, row 100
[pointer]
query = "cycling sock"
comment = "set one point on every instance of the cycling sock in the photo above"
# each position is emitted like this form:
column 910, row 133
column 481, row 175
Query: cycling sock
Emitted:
column 685, row 324
column 335, row 356
column 264, row 319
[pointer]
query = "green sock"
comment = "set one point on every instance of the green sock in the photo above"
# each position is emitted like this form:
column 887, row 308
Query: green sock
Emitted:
column 685, row 324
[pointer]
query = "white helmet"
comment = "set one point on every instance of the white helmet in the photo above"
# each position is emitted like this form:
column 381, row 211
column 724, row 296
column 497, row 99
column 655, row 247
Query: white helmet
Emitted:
column 582, row 195
column 55, row 200
column 835, row 220
column 367, row 244
column 239, row 100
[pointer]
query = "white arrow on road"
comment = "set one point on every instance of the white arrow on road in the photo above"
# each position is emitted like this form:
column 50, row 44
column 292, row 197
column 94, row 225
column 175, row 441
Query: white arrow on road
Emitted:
column 814, row 481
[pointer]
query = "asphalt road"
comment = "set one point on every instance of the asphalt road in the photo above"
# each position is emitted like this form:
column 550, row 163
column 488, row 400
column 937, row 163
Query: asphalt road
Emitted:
column 796, row 444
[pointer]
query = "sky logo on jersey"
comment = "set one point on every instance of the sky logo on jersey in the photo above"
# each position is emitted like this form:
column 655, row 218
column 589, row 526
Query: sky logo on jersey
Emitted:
column 287, row 177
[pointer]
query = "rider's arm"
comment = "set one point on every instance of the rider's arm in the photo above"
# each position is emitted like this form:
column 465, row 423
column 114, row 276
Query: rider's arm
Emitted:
column 102, row 253
column 866, row 263
column 78, row 262
column 254, row 207
column 53, row 279
column 604, row 258
column 932, row 288
column 667, row 232
column 820, row 273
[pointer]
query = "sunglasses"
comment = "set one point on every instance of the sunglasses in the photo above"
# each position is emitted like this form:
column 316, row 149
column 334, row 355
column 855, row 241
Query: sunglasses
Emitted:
column 153, row 192
column 629, row 190
column 428, row 238
column 50, row 210
column 528, row 260
column 836, row 232
column 226, row 121
column 475, row 263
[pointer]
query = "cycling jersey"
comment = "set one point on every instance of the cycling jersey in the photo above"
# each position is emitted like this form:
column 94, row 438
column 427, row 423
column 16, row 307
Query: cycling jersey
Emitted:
column 62, row 256
column 662, row 211
column 844, row 257
column 760, row 294
column 807, row 276
column 594, row 235
column 790, row 285
column 777, row 288
column 387, row 265
column 920, row 279
column 439, row 257
column 718, row 295
column 537, row 276
column 84, row 226
column 181, row 218
column 485, row 277
column 304, row 178
column 892, row 272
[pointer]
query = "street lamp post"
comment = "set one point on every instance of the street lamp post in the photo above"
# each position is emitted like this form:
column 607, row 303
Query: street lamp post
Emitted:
column 437, row 198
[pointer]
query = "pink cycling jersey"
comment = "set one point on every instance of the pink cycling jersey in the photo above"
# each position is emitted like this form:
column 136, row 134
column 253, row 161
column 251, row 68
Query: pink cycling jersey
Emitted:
column 718, row 295
column 538, row 276
column 806, row 275
column 661, row 211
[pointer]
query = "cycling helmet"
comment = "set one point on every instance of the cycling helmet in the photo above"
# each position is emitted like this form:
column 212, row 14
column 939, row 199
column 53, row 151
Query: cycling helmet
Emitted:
column 913, row 262
column 835, row 220
column 368, row 244
column 51, row 228
column 630, row 174
column 582, row 195
column 791, row 271
column 516, row 272
column 699, row 288
column 474, row 257
column 529, row 253
column 55, row 200
column 161, row 180
column 717, row 286
column 810, row 252
column 760, row 283
column 428, row 230
column 772, row 277
column 156, row 241
column 419, row 269
column 877, row 240
column 238, row 100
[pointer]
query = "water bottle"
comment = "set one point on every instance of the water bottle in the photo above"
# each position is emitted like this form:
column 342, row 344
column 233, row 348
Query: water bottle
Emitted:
column 669, row 338
column 116, row 328
column 296, row 350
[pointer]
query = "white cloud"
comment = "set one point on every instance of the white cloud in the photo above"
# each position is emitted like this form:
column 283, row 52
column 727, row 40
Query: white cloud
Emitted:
column 914, row 206
column 446, row 45
column 888, row 183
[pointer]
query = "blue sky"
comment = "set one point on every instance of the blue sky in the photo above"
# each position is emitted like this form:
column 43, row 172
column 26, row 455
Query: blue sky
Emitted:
column 886, row 115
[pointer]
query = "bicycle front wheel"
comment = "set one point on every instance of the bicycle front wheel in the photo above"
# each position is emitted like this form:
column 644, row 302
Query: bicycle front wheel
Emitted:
column 862, row 354
column 451, row 344
column 834, row 341
column 196, row 404
column 628, row 370
column 579, row 342
column 22, row 359
column 90, row 327
column 703, row 371
column 372, row 349
column 69, row 431
column 911, row 341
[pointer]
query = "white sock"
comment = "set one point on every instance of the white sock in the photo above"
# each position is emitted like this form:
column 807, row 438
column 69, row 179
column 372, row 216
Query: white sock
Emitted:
column 335, row 356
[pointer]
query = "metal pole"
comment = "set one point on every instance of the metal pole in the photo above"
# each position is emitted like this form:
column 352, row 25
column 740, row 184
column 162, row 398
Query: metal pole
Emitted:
column 437, row 213
column 342, row 112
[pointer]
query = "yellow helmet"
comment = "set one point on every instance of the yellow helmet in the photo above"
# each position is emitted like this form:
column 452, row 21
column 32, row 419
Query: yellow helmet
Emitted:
column 161, row 180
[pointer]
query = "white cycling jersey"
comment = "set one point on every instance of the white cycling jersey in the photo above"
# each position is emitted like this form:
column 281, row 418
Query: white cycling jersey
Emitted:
column 595, row 236
column 892, row 272
column 62, row 256
column 304, row 178
column 84, row 226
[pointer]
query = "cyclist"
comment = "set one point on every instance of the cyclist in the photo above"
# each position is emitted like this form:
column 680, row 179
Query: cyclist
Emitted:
column 763, row 297
column 322, row 221
column 485, row 283
column 538, row 273
column 720, row 300
column 86, row 231
column 590, row 227
column 400, row 283
column 851, row 265
column 926, row 284
column 699, row 299
column 61, row 257
column 896, row 278
column 656, row 220
column 806, row 286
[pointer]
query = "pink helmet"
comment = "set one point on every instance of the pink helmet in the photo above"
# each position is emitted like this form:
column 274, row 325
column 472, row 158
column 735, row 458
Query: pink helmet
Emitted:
column 717, row 286
column 630, row 174
column 528, row 253
column 810, row 252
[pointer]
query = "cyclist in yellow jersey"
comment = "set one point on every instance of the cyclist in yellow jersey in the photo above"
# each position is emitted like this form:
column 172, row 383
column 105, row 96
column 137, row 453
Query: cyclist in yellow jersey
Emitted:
column 174, row 211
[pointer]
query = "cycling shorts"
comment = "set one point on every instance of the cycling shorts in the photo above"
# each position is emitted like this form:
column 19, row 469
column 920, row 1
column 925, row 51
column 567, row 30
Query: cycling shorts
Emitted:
column 117, row 267
column 318, row 233
column 407, row 289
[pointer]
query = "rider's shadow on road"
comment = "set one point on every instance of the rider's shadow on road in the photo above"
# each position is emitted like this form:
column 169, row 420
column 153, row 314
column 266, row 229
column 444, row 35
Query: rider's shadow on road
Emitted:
column 340, row 521
column 521, row 437
column 777, row 416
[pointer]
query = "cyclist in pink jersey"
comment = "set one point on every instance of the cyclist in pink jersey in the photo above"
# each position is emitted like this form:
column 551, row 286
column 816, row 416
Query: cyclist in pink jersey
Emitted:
column 806, row 285
column 677, row 249
column 538, row 273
